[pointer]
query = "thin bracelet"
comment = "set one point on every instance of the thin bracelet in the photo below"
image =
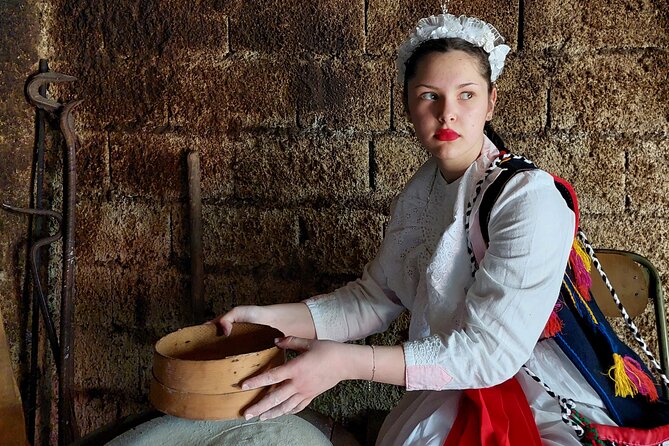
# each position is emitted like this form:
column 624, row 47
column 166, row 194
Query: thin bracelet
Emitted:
column 373, row 368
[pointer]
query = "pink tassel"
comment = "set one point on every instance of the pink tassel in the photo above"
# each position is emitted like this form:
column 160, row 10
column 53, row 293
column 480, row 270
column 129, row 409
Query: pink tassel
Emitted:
column 553, row 326
column 581, row 275
column 641, row 380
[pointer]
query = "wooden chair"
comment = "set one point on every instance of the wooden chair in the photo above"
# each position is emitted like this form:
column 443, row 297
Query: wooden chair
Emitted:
column 636, row 281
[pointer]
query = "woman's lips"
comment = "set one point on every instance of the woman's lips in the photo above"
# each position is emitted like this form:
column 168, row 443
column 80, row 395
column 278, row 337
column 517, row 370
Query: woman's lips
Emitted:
column 446, row 135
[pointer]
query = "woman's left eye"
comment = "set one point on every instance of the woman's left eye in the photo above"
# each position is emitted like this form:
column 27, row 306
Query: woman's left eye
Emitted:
column 466, row 95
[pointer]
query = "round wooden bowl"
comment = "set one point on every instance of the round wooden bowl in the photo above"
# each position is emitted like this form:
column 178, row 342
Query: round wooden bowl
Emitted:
column 201, row 406
column 197, row 374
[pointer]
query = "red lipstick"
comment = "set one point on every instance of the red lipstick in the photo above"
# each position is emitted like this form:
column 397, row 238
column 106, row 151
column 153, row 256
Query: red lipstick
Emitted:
column 446, row 135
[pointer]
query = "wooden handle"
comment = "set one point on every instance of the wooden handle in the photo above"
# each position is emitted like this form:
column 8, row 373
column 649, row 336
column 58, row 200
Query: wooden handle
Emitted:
column 195, row 217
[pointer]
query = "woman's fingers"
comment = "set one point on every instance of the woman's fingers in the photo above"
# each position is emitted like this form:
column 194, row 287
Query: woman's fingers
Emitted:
column 224, row 323
column 314, row 371
column 272, row 376
column 294, row 343
column 283, row 372
column 281, row 409
column 301, row 406
column 223, row 327
column 272, row 400
column 242, row 313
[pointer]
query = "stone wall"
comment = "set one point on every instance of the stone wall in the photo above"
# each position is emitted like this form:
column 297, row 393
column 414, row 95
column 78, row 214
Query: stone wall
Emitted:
column 294, row 110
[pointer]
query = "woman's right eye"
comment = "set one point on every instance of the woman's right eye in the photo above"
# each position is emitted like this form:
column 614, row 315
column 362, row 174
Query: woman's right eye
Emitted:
column 429, row 96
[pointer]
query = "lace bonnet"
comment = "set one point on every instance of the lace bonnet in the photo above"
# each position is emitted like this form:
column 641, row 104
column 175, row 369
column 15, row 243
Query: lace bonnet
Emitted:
column 473, row 30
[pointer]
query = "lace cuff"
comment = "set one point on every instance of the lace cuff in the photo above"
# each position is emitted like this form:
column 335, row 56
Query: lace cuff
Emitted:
column 422, row 369
column 328, row 322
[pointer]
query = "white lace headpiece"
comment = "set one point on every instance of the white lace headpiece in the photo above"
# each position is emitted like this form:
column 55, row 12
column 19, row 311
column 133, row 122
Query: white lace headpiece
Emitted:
column 475, row 31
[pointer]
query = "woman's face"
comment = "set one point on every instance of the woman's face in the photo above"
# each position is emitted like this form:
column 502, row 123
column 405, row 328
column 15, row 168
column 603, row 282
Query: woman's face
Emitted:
column 449, row 104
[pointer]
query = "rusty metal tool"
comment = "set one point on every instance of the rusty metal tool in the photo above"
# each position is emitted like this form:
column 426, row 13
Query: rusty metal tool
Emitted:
column 37, row 98
column 34, row 261
column 36, row 231
column 195, row 218
column 39, row 300
column 67, row 427
column 36, row 95
column 36, row 90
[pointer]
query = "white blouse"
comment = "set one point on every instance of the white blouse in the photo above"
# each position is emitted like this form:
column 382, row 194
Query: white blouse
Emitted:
column 466, row 332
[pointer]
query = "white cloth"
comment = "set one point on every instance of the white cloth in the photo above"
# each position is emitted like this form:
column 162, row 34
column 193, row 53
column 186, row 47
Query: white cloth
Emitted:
column 466, row 332
column 287, row 430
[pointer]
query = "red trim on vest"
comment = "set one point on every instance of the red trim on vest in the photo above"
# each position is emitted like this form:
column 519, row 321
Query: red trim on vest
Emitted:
column 632, row 436
column 495, row 416
column 572, row 192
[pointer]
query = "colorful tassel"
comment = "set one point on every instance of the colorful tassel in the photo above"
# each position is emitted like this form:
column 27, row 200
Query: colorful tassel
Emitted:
column 554, row 324
column 580, row 251
column 624, row 386
column 641, row 380
column 580, row 263
column 568, row 286
column 630, row 379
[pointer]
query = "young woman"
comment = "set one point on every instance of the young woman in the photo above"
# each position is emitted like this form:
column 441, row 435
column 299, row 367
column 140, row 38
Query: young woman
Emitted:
column 466, row 332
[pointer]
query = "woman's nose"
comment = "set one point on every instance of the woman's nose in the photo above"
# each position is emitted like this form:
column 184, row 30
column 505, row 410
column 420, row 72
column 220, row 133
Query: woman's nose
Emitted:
column 445, row 111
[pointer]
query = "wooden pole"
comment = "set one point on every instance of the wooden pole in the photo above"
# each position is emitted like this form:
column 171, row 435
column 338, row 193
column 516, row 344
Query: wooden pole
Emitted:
column 195, row 218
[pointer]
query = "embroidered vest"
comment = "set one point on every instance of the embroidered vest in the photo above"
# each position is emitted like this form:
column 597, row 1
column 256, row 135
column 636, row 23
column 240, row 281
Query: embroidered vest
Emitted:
column 579, row 328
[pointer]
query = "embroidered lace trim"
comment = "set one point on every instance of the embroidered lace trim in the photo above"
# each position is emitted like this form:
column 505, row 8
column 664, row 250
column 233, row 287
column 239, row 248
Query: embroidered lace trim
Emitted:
column 423, row 351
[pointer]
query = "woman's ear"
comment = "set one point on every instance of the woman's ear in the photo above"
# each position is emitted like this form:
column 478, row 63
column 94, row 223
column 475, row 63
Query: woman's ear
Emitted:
column 492, row 99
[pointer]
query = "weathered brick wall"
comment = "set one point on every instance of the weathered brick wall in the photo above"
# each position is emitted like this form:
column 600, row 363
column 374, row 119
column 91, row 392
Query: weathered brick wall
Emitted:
column 16, row 128
column 19, row 42
column 298, row 120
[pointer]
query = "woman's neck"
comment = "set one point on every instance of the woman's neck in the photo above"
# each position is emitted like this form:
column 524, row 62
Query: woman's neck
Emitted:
column 451, row 175
column 453, row 169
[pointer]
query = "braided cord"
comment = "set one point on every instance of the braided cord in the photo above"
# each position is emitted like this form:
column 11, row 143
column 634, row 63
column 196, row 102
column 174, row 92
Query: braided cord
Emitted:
column 591, row 434
column 566, row 405
column 470, row 206
column 628, row 320
column 567, row 408
column 569, row 414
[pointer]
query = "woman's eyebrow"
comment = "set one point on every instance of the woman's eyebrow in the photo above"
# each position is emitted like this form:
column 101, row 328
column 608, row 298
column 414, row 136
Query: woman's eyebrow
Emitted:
column 426, row 86
column 466, row 84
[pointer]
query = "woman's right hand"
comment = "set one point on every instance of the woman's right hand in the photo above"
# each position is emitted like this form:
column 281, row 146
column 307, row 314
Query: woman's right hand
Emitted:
column 254, row 314
column 293, row 319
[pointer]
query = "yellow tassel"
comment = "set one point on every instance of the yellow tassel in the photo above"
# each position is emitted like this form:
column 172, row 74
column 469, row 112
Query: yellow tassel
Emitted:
column 585, row 303
column 624, row 386
column 565, row 287
column 579, row 249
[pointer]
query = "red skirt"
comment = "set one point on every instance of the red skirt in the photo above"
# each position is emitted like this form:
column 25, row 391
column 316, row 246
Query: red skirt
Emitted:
column 495, row 416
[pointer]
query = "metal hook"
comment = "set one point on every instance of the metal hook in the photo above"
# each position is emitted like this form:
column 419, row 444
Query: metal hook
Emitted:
column 40, row 79
column 41, row 298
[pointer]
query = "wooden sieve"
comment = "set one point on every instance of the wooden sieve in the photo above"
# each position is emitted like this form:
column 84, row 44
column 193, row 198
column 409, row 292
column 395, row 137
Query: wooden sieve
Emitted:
column 197, row 374
column 201, row 406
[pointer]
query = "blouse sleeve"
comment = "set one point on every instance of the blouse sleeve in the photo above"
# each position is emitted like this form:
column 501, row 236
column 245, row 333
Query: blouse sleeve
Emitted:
column 531, row 231
column 356, row 310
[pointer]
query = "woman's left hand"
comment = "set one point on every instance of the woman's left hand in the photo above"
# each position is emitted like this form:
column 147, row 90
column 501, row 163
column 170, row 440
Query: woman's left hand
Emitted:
column 319, row 367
